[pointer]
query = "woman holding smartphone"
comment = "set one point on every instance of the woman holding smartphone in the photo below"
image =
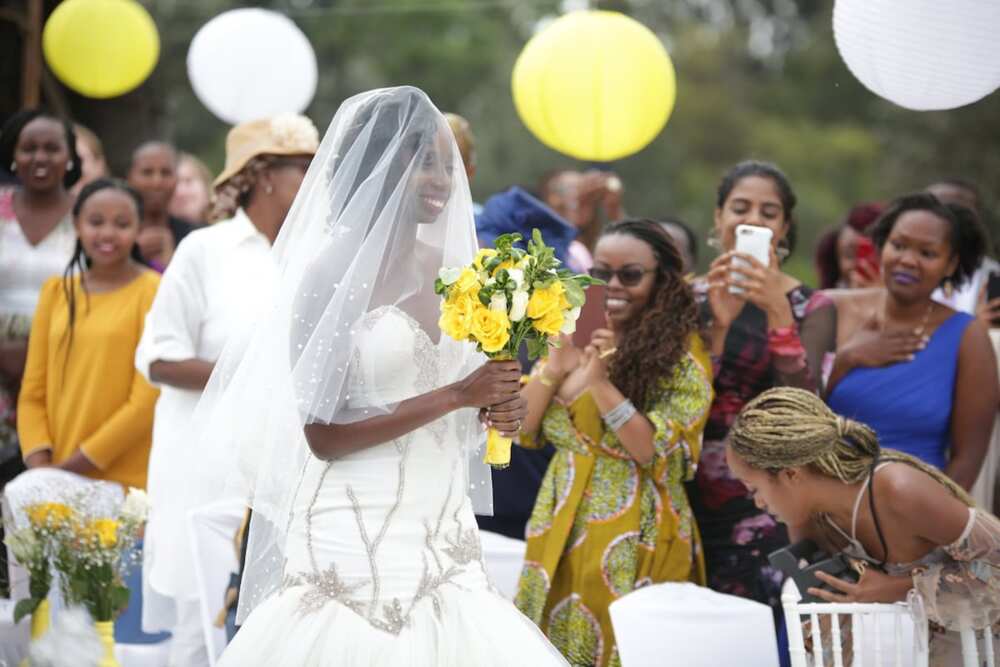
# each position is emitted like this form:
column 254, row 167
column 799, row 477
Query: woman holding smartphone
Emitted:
column 751, row 311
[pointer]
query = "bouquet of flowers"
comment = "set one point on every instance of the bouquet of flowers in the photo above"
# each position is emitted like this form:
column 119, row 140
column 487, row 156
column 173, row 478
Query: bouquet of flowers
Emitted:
column 95, row 551
column 507, row 298
column 33, row 546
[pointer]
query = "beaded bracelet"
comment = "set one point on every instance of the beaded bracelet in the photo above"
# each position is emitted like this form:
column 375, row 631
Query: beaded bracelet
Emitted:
column 619, row 416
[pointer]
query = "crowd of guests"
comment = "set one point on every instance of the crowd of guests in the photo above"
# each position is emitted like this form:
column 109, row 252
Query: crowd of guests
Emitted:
column 694, row 425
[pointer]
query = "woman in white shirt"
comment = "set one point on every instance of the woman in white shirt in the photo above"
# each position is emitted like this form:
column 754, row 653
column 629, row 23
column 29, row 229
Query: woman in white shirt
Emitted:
column 36, row 242
column 216, row 283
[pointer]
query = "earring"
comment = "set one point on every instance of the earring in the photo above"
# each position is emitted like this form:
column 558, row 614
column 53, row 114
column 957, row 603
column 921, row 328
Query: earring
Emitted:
column 948, row 287
column 713, row 241
column 70, row 165
column 13, row 167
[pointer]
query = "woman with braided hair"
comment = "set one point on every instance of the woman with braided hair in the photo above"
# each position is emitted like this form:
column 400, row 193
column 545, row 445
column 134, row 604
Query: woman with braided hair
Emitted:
column 625, row 416
column 911, row 526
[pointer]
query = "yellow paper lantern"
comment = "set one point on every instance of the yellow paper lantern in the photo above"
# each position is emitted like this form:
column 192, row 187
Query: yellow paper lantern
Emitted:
column 595, row 85
column 101, row 48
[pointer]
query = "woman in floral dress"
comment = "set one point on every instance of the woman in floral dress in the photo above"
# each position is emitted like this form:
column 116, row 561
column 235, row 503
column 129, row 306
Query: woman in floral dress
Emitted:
column 625, row 416
column 756, row 345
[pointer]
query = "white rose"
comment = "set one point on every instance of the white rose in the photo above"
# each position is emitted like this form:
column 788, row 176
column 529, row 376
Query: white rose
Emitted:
column 569, row 324
column 449, row 276
column 136, row 506
column 23, row 545
column 517, row 275
column 499, row 303
column 519, row 305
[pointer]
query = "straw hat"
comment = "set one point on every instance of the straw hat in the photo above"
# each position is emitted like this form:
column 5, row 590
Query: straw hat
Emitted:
column 285, row 134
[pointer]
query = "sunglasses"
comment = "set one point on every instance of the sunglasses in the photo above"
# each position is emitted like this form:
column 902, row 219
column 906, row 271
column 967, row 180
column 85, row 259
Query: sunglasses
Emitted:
column 629, row 276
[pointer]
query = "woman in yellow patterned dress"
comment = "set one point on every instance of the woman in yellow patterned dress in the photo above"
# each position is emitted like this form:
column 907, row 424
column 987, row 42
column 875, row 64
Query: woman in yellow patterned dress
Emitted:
column 625, row 416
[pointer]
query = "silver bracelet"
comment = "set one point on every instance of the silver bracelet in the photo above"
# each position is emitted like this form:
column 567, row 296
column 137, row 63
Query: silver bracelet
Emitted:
column 619, row 416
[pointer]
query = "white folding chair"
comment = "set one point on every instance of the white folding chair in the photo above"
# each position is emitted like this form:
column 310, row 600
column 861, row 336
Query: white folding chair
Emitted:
column 881, row 634
column 689, row 625
column 213, row 529
column 504, row 557
column 970, row 648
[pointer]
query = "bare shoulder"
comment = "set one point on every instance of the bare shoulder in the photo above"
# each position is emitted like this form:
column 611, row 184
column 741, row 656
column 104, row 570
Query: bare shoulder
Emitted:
column 909, row 491
column 854, row 299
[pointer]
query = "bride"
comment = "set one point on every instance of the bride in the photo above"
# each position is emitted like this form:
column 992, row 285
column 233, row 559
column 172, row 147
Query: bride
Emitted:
column 353, row 426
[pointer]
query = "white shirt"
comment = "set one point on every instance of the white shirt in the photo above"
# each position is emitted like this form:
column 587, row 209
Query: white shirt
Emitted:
column 965, row 299
column 24, row 267
column 218, row 282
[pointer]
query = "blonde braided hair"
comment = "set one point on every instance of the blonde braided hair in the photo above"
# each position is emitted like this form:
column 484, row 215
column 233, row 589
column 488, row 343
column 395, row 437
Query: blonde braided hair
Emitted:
column 787, row 427
column 236, row 190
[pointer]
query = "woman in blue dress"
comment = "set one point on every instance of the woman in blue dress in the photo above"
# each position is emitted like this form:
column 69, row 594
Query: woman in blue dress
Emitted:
column 920, row 374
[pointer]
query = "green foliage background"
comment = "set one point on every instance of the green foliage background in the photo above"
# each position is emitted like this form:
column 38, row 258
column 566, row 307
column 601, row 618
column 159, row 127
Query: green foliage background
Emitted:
column 756, row 78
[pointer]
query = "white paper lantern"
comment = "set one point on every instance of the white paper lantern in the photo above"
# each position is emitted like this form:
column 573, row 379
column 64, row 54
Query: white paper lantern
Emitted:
column 246, row 64
column 921, row 54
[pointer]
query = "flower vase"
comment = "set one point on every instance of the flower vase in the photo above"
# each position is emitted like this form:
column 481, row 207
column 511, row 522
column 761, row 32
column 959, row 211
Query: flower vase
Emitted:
column 106, row 631
column 40, row 619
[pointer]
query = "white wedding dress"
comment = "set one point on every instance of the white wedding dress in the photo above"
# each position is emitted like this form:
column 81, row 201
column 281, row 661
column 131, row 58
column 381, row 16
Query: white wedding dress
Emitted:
column 384, row 565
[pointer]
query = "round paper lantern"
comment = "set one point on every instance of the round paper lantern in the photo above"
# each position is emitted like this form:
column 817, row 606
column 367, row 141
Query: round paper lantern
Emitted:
column 101, row 48
column 921, row 54
column 595, row 85
column 246, row 64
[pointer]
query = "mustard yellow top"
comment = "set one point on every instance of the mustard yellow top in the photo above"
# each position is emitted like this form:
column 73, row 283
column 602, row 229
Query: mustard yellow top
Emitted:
column 94, row 400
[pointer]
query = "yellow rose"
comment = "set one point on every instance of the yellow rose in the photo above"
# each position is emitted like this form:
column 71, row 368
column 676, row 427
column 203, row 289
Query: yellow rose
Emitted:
column 482, row 256
column 467, row 282
column 509, row 264
column 106, row 531
column 491, row 328
column 551, row 323
column 456, row 315
column 49, row 515
column 546, row 299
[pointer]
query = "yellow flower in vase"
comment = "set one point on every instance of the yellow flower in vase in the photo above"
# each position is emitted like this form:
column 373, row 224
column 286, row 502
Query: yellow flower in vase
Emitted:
column 107, row 532
column 49, row 515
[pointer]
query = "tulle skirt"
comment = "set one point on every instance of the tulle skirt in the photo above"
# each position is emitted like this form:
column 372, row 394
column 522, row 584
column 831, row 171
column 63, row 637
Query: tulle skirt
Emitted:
column 464, row 628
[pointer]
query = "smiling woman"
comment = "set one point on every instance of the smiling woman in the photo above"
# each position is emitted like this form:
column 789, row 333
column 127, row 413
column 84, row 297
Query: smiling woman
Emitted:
column 36, row 241
column 83, row 407
column 920, row 374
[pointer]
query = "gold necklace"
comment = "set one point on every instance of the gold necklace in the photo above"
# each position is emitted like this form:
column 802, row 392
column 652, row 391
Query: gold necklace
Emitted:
column 919, row 331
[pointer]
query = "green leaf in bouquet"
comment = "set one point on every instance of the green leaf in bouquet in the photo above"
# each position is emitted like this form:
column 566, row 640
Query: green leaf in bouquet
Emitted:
column 537, row 347
column 25, row 607
column 505, row 242
column 119, row 597
column 439, row 287
column 574, row 293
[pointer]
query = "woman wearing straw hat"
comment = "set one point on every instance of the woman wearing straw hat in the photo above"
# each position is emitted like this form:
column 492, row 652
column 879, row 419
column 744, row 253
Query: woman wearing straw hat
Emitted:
column 218, row 279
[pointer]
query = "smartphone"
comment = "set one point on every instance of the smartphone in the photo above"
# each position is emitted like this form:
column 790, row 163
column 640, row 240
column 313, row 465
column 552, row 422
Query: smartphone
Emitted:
column 592, row 316
column 754, row 241
column 866, row 259
column 993, row 287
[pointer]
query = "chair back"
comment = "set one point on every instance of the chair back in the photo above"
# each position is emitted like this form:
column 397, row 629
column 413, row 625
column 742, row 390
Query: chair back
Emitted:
column 693, row 626
column 853, row 634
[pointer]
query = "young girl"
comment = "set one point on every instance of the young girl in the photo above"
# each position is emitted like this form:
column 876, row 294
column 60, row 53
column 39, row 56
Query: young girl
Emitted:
column 910, row 527
column 83, row 406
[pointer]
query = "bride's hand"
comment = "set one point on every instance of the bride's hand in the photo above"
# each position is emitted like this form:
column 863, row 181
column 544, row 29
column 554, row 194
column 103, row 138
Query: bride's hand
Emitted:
column 506, row 417
column 494, row 383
